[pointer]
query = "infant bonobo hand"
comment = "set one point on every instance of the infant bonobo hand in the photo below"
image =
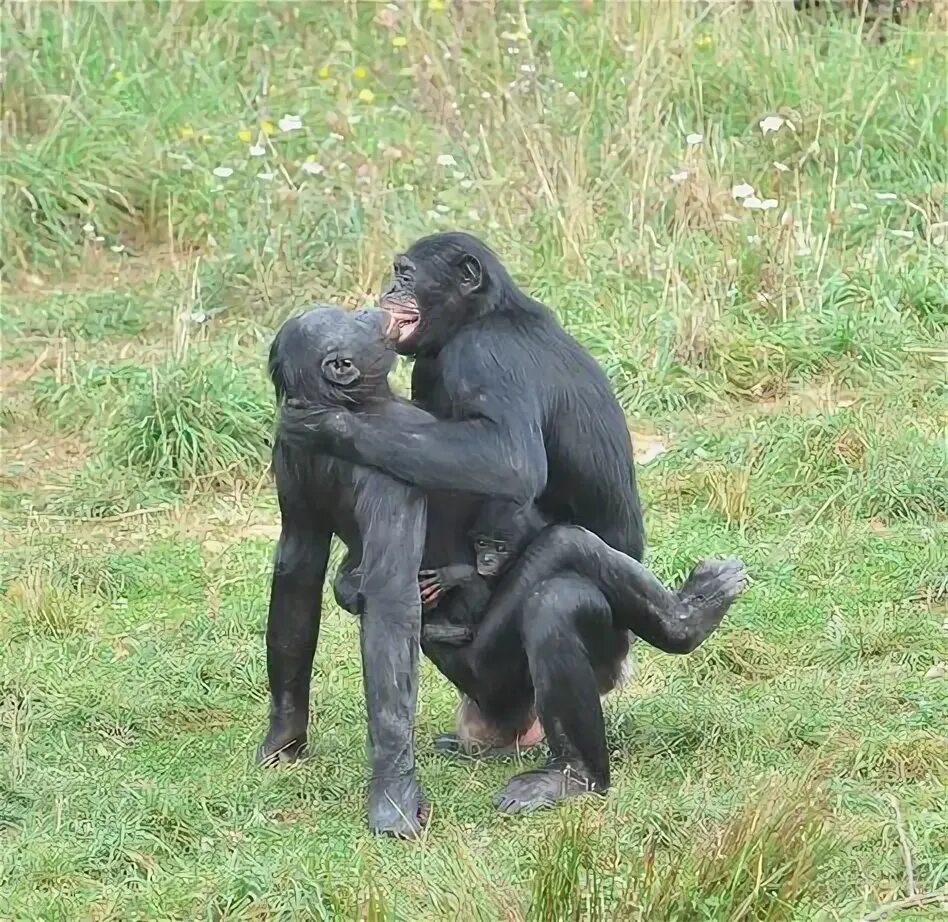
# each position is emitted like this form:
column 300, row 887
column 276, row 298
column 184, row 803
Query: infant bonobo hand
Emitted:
column 313, row 425
column 434, row 583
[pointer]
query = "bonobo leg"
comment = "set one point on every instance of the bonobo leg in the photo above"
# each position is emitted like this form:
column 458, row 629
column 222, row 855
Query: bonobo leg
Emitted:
column 568, row 633
column 675, row 622
column 292, row 632
column 391, row 521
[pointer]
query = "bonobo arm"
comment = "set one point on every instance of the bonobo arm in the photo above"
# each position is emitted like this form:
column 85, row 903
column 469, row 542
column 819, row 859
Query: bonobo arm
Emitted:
column 299, row 569
column 675, row 622
column 391, row 520
column 496, row 449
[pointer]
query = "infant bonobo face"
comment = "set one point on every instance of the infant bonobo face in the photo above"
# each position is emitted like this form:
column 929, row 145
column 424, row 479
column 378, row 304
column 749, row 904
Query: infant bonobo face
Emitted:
column 332, row 355
column 502, row 530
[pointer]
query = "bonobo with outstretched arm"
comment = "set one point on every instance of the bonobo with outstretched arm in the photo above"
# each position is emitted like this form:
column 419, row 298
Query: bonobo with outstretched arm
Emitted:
column 525, row 413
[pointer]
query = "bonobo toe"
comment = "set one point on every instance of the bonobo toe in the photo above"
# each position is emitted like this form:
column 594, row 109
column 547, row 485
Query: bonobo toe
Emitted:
column 398, row 808
column 544, row 787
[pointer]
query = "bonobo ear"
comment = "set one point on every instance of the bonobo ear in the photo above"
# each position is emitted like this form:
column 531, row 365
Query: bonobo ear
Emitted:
column 472, row 275
column 338, row 370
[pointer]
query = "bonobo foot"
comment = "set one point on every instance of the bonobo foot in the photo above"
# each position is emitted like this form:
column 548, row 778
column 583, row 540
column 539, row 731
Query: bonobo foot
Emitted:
column 492, row 748
column 285, row 742
column 397, row 807
column 708, row 593
column 544, row 787
column 451, row 635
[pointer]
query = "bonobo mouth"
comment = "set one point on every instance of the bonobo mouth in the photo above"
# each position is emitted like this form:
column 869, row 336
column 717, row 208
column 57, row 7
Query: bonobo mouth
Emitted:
column 404, row 317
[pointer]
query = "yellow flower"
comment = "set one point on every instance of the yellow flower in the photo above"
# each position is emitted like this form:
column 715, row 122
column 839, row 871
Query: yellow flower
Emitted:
column 704, row 41
column 245, row 135
column 360, row 73
column 186, row 131
column 119, row 75
column 399, row 41
column 267, row 127
column 324, row 72
column 366, row 95
column 436, row 6
column 913, row 62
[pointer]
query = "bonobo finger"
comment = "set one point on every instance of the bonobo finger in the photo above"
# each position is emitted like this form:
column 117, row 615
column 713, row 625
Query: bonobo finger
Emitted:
column 427, row 574
column 429, row 584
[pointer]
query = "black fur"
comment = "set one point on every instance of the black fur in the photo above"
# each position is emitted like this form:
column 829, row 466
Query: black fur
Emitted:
column 525, row 413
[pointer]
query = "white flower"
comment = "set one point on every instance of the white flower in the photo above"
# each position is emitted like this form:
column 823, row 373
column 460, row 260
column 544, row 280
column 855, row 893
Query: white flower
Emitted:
column 886, row 196
column 257, row 150
column 198, row 317
column 466, row 184
column 266, row 176
column 767, row 204
column 680, row 176
column 223, row 171
column 335, row 136
column 117, row 248
column 442, row 209
column 772, row 123
column 742, row 190
column 89, row 228
column 694, row 138
column 782, row 167
column 290, row 123
column 753, row 239
column 581, row 74
column 904, row 234
column 858, row 206
column 751, row 201
column 313, row 168
column 446, row 160
column 458, row 174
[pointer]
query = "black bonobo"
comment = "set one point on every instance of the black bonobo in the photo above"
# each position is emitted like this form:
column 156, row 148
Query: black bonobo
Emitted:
column 525, row 413
column 501, row 531
column 333, row 358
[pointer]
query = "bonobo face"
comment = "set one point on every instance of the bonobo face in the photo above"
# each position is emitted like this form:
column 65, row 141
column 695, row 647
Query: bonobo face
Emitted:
column 333, row 356
column 493, row 555
column 436, row 286
column 501, row 531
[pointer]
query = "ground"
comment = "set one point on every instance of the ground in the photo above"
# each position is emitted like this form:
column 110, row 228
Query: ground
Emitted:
column 739, row 210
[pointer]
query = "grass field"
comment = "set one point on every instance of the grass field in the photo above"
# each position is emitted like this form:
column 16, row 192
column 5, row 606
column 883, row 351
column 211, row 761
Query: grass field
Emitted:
column 780, row 351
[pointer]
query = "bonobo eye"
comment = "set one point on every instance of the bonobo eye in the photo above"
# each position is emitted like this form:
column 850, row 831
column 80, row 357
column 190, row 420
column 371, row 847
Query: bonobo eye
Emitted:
column 340, row 370
column 501, row 548
column 481, row 542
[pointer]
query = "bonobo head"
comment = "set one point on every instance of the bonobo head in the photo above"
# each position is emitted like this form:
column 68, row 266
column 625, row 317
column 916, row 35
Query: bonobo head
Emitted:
column 334, row 357
column 440, row 283
column 501, row 531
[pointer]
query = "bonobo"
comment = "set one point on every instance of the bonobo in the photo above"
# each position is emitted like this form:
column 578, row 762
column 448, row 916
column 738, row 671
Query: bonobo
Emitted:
column 525, row 413
column 501, row 531
column 333, row 358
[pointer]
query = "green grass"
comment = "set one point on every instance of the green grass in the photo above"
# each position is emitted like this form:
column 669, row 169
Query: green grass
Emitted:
column 791, row 361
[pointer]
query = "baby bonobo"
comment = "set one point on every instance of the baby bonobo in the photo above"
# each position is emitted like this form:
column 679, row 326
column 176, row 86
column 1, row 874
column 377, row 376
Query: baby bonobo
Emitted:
column 501, row 531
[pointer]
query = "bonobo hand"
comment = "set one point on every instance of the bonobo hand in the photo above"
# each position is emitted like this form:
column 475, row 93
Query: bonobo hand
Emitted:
column 315, row 426
column 434, row 583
